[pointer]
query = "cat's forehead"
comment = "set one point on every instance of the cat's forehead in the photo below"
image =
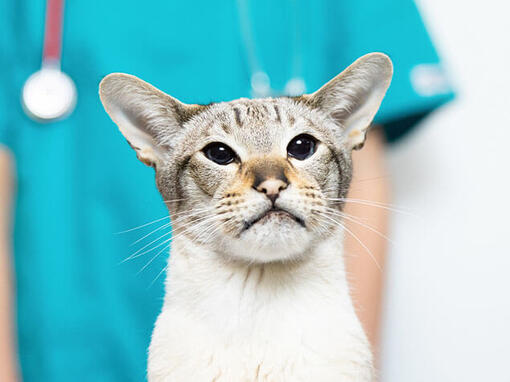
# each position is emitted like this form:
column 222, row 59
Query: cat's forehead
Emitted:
column 257, row 124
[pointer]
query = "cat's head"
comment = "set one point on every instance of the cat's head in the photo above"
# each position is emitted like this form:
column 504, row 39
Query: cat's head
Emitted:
column 252, row 179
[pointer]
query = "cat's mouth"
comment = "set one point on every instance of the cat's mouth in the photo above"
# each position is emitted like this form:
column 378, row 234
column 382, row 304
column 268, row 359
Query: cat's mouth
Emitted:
column 273, row 212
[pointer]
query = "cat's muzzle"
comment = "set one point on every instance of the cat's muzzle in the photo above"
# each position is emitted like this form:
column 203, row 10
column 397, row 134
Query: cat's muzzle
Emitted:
column 273, row 212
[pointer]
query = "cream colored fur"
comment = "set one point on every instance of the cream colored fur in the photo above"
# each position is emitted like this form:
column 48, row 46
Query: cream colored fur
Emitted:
column 251, row 300
column 267, row 322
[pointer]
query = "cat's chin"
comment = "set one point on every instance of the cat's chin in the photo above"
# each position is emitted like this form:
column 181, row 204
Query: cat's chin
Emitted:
column 271, row 240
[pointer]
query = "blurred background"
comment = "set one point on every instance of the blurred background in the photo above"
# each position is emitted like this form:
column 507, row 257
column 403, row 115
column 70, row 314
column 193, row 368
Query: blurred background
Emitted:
column 447, row 304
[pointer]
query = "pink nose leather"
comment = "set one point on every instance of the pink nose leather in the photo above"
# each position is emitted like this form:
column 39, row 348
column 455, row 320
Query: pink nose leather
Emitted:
column 272, row 187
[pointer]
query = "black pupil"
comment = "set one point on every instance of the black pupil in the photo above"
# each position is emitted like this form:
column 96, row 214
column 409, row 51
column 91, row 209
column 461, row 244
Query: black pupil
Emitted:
column 301, row 147
column 219, row 153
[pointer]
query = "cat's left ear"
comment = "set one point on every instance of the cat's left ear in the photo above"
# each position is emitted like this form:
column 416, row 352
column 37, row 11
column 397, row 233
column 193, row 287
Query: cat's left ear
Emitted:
column 353, row 97
column 147, row 117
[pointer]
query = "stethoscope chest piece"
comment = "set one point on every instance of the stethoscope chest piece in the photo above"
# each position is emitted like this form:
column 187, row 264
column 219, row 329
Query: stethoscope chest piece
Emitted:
column 49, row 94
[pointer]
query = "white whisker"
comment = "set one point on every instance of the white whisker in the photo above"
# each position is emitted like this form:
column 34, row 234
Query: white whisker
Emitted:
column 155, row 256
column 174, row 200
column 143, row 225
column 372, row 204
column 150, row 233
column 352, row 219
column 157, row 277
column 356, row 238
column 172, row 221
column 138, row 254
column 206, row 220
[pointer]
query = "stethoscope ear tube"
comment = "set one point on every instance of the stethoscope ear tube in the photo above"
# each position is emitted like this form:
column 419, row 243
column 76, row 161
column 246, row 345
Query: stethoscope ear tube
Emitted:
column 260, row 81
column 49, row 94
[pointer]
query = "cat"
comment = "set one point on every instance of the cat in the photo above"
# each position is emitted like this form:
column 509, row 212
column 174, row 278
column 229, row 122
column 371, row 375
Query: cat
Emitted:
column 256, row 287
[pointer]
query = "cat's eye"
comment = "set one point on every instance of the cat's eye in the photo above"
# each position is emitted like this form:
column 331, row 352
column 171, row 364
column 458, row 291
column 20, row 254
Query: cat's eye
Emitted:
column 302, row 147
column 219, row 153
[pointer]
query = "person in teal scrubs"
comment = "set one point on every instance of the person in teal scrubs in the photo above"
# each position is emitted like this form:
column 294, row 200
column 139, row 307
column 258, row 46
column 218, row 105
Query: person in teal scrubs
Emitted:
column 82, row 314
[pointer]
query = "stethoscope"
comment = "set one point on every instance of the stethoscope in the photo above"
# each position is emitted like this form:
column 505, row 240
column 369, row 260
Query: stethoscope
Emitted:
column 49, row 94
column 260, row 81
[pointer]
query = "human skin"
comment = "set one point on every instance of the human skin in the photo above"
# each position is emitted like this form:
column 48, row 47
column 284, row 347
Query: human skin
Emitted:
column 365, row 268
column 8, row 359
column 365, row 277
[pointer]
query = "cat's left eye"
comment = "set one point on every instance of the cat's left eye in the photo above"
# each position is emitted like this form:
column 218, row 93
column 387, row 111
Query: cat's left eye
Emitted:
column 219, row 153
column 302, row 147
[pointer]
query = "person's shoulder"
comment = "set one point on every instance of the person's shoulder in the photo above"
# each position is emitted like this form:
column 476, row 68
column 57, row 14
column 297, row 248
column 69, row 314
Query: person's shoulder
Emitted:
column 420, row 82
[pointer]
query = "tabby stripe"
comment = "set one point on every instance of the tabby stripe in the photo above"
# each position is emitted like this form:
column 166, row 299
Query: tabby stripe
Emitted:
column 237, row 114
column 277, row 111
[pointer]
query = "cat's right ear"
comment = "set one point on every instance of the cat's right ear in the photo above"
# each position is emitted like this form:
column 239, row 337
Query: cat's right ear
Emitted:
column 147, row 117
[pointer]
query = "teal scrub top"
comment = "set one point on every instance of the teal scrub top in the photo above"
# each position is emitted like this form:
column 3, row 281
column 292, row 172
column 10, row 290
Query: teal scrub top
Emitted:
column 82, row 313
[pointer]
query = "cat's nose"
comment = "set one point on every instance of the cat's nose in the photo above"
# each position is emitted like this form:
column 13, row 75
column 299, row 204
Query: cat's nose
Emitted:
column 271, row 187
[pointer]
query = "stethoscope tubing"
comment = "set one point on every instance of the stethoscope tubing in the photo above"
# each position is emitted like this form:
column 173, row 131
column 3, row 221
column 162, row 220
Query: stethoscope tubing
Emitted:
column 49, row 94
column 52, row 48
column 260, row 80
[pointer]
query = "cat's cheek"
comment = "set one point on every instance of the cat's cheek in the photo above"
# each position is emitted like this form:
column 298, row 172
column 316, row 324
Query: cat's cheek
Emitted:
column 316, row 171
column 331, row 171
column 208, row 176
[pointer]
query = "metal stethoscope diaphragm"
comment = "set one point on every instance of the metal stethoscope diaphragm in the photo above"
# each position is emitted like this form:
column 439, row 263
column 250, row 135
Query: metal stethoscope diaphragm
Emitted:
column 49, row 94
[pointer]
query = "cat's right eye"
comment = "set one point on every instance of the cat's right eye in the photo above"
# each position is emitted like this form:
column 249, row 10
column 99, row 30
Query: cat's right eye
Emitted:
column 219, row 153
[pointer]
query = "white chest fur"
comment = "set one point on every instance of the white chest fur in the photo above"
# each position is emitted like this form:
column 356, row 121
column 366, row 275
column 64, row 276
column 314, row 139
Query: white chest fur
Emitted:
column 223, row 321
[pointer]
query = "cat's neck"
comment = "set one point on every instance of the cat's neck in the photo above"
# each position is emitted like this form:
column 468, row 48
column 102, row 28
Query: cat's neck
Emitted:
column 239, row 318
column 200, row 280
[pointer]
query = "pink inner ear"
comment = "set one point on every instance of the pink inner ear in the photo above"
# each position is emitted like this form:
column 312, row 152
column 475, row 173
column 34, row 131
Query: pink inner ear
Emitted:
column 353, row 97
column 147, row 156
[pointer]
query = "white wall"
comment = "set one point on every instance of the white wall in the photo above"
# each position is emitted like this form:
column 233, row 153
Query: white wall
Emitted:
column 447, row 315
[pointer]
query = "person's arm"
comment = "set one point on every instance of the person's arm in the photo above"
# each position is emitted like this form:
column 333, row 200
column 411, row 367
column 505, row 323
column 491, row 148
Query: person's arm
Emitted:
column 8, row 359
column 370, row 183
